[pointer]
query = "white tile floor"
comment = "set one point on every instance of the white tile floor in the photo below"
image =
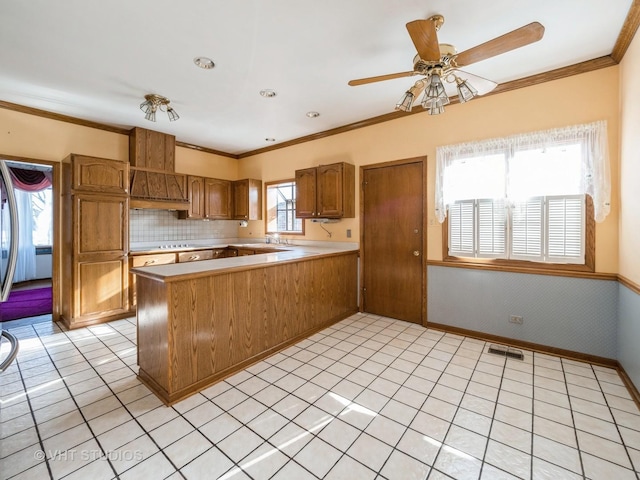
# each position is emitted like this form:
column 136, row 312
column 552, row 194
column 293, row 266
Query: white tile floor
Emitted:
column 367, row 398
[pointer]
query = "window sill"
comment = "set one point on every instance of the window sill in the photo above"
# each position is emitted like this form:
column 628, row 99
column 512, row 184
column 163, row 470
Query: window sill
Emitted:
column 559, row 270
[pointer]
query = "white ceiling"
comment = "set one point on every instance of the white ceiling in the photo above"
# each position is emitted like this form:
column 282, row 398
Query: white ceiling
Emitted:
column 96, row 59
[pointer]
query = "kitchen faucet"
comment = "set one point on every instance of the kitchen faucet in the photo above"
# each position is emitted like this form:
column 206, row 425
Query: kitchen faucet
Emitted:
column 275, row 238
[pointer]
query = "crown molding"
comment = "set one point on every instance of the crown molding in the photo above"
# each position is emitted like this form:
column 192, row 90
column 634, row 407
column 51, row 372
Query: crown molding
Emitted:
column 625, row 37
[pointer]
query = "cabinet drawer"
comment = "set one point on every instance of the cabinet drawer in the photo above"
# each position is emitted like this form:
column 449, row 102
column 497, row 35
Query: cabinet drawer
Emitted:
column 150, row 260
column 220, row 253
column 195, row 256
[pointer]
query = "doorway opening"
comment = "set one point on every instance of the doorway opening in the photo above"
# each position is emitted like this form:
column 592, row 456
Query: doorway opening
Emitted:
column 31, row 297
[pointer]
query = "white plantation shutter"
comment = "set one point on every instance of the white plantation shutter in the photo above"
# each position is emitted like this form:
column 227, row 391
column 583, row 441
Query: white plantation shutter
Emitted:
column 491, row 223
column 527, row 230
column 461, row 229
column 565, row 227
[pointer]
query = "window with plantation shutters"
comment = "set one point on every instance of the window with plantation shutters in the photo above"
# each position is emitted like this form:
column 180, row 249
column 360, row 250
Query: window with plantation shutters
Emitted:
column 527, row 230
column 525, row 200
column 492, row 228
column 565, row 229
column 461, row 228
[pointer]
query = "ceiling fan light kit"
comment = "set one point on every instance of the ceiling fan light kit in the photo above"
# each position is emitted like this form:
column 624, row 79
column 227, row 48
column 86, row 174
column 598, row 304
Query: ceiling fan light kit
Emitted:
column 153, row 103
column 438, row 62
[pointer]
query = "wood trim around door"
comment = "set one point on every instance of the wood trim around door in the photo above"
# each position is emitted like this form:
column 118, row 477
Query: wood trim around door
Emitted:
column 363, row 168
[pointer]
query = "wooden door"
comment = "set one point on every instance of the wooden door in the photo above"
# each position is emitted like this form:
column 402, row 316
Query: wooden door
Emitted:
column 393, row 240
column 306, row 193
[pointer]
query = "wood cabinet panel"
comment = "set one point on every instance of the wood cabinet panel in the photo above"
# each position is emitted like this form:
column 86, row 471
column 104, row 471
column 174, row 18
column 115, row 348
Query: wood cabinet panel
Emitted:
column 158, row 186
column 306, row 192
column 208, row 198
column 99, row 175
column 153, row 259
column 195, row 193
column 195, row 256
column 101, row 288
column 95, row 237
column 247, row 199
column 327, row 191
column 217, row 324
column 217, row 198
column 101, row 224
column 154, row 150
column 146, row 261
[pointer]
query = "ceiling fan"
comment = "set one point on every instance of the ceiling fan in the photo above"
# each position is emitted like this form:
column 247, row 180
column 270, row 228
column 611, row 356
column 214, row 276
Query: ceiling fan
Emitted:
column 440, row 62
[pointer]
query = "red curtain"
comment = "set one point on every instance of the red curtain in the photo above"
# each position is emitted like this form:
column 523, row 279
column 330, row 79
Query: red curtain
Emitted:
column 29, row 180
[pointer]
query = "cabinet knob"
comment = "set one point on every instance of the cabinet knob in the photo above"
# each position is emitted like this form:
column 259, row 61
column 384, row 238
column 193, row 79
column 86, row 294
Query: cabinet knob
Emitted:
column 416, row 253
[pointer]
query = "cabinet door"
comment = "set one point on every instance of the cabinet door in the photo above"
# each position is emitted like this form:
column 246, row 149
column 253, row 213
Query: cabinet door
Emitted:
column 247, row 199
column 330, row 190
column 217, row 198
column 101, row 225
column 306, row 193
column 100, row 288
column 195, row 192
column 99, row 175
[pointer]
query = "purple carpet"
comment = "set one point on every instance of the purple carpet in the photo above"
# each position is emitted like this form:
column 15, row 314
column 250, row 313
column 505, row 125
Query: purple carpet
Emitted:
column 26, row 303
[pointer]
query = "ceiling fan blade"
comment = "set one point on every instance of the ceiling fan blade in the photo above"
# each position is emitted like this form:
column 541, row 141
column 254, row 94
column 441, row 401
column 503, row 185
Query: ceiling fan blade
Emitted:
column 380, row 78
column 425, row 38
column 509, row 41
column 481, row 84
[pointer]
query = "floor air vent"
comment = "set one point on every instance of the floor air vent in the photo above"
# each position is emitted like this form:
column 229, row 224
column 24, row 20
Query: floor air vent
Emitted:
column 506, row 351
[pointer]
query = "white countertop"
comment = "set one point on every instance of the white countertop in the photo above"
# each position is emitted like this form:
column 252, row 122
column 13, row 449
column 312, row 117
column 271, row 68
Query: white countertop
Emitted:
column 288, row 253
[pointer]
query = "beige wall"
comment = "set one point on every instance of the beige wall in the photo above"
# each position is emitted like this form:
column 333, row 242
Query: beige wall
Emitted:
column 194, row 162
column 630, row 163
column 552, row 104
column 39, row 138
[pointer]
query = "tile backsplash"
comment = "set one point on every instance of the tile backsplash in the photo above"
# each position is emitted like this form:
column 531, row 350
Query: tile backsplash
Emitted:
column 163, row 225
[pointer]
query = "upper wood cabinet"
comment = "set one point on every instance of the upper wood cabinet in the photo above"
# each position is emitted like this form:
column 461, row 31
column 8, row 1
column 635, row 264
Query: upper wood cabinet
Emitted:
column 149, row 149
column 195, row 193
column 99, row 175
column 218, row 199
column 306, row 192
column 327, row 191
column 208, row 198
column 247, row 199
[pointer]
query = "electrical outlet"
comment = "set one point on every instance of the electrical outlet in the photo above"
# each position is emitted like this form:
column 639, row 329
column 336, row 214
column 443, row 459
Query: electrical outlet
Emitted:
column 348, row 233
column 515, row 319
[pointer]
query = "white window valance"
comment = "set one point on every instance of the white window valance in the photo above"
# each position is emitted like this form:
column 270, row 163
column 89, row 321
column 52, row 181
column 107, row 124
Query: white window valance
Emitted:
column 593, row 172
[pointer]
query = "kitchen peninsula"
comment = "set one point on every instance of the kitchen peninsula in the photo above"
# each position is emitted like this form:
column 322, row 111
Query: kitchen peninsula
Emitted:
column 199, row 322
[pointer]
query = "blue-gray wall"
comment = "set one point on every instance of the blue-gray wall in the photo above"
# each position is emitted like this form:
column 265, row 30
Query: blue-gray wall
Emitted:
column 629, row 332
column 570, row 313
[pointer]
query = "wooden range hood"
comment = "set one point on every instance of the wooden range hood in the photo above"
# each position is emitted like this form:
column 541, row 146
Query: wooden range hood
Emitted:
column 153, row 180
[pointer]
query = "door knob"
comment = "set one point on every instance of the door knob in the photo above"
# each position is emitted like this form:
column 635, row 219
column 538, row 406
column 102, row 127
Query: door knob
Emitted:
column 416, row 253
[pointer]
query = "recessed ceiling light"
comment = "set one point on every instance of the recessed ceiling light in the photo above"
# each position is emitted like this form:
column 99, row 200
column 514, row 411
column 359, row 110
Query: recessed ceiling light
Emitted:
column 268, row 93
column 269, row 139
column 204, row 62
column 313, row 114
